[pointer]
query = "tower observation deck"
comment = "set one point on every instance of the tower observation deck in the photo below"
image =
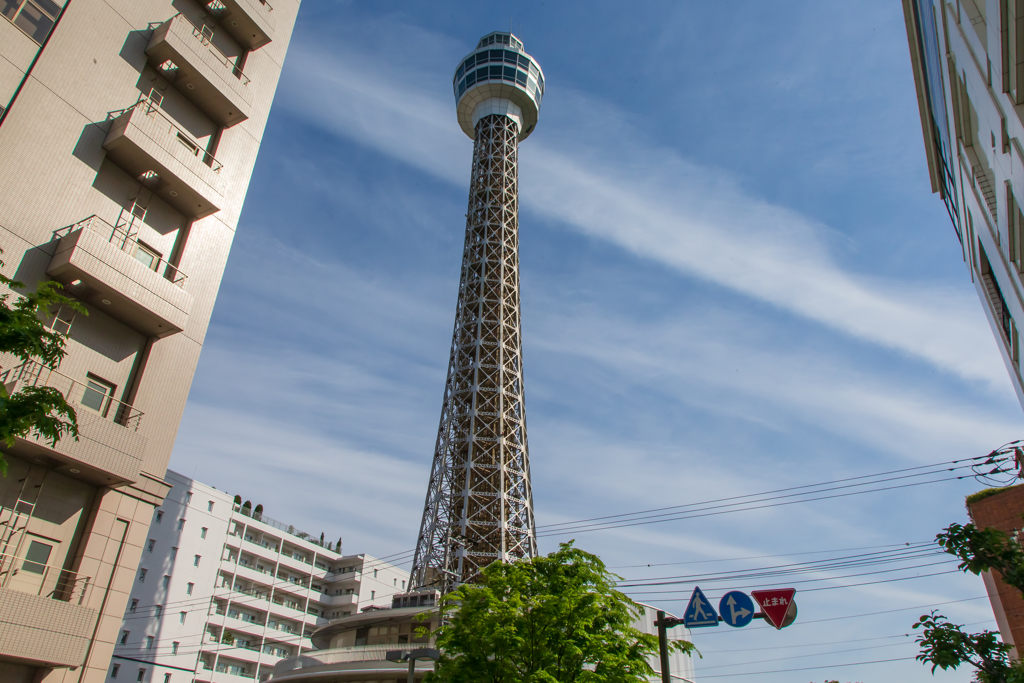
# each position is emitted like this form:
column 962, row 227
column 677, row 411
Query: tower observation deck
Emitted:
column 479, row 505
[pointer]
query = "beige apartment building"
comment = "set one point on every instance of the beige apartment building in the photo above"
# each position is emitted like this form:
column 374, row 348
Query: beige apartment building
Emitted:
column 128, row 134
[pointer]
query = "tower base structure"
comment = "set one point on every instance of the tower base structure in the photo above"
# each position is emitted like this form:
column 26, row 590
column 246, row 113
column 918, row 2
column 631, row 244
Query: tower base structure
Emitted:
column 479, row 506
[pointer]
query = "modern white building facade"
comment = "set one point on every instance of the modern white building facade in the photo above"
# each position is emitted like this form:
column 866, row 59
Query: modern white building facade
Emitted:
column 968, row 64
column 373, row 647
column 223, row 593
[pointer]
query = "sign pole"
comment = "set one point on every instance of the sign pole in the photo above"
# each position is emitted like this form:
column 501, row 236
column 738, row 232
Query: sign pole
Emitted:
column 663, row 646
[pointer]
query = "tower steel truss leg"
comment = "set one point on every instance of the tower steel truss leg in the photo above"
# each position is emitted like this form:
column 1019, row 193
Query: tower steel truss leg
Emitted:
column 479, row 505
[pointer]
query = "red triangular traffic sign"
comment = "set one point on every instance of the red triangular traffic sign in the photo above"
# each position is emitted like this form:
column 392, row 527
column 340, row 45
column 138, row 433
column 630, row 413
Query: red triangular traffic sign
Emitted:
column 774, row 604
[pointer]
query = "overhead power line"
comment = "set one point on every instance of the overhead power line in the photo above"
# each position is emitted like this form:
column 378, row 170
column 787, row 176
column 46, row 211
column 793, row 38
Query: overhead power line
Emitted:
column 810, row 668
column 1001, row 463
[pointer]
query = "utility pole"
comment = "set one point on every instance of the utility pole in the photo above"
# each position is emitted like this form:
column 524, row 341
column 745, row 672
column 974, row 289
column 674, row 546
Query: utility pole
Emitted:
column 664, row 623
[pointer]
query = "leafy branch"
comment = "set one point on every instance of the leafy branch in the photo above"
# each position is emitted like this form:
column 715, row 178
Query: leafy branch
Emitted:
column 945, row 645
column 40, row 410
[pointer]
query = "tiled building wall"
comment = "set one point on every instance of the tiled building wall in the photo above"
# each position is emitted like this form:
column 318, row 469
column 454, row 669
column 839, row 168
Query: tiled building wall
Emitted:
column 55, row 172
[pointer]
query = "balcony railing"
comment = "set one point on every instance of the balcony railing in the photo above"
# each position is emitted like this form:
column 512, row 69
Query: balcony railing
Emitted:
column 126, row 241
column 152, row 147
column 287, row 528
column 204, row 39
column 78, row 393
column 28, row 576
column 250, row 22
column 169, row 135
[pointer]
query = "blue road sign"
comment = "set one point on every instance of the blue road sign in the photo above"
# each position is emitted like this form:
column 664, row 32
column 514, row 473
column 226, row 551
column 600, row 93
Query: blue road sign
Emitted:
column 737, row 609
column 699, row 611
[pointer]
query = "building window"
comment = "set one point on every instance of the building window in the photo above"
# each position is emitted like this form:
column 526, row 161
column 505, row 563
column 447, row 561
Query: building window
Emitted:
column 135, row 603
column 373, row 595
column 375, row 573
column 196, row 563
column 1015, row 228
column 97, row 394
column 209, row 506
column 114, row 669
column 158, row 610
column 34, row 17
column 394, row 582
column 124, row 637
column 181, row 524
column 159, row 516
column 188, row 498
column 149, row 257
column 151, row 544
column 142, row 575
column 181, row 618
column 149, row 642
column 202, row 532
column 167, row 678
column 36, row 557
column 174, row 647
column 142, row 675
column 403, row 585
column 174, row 554
column 189, row 588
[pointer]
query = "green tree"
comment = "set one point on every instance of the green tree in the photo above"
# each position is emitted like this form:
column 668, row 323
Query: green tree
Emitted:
column 945, row 645
column 40, row 410
column 552, row 619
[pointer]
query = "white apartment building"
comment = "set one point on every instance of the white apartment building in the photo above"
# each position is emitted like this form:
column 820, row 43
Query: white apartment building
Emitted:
column 968, row 63
column 224, row 593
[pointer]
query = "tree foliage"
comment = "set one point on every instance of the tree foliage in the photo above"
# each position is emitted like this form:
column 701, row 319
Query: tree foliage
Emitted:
column 980, row 550
column 552, row 619
column 37, row 410
column 945, row 645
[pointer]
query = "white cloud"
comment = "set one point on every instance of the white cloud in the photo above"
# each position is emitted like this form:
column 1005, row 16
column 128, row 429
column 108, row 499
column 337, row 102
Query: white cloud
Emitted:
column 648, row 201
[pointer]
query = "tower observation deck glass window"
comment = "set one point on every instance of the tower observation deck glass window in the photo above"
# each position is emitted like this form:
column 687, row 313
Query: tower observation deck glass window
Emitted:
column 519, row 70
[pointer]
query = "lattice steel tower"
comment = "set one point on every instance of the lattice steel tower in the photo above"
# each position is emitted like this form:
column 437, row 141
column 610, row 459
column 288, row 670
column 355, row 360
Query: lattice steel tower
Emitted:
column 479, row 505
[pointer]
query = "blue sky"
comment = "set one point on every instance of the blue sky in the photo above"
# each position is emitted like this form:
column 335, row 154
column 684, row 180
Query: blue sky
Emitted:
column 735, row 279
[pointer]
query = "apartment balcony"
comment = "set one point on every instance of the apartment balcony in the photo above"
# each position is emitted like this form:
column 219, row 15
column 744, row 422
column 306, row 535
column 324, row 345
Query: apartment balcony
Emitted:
column 244, row 653
column 149, row 146
column 204, row 75
column 105, row 266
column 344, row 600
column 249, row 628
column 299, row 566
column 45, row 618
column 251, row 573
column 257, row 548
column 109, row 449
column 286, row 611
column 249, row 22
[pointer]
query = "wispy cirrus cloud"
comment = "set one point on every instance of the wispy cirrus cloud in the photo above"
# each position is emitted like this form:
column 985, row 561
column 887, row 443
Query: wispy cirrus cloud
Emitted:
column 646, row 200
